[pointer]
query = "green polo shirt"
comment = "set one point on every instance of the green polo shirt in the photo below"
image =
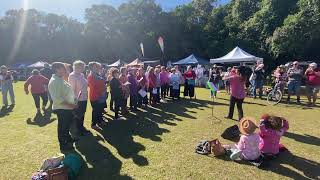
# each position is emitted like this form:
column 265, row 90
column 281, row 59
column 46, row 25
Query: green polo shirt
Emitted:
column 60, row 91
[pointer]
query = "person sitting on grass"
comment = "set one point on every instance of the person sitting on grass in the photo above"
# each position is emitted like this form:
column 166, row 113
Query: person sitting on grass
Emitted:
column 248, row 146
column 116, row 92
column 38, row 84
column 271, row 130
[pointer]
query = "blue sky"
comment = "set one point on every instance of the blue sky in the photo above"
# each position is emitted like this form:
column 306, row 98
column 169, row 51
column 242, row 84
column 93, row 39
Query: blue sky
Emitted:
column 73, row 8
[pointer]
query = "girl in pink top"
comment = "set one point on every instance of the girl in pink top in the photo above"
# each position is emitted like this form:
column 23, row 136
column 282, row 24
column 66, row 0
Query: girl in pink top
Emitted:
column 271, row 130
column 38, row 90
column 248, row 146
column 237, row 83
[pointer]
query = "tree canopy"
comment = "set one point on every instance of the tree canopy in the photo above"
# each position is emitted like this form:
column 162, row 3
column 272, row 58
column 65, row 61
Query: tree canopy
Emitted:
column 277, row 30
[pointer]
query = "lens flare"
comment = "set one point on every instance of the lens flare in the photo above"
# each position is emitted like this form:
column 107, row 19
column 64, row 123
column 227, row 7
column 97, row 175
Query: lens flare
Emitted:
column 21, row 28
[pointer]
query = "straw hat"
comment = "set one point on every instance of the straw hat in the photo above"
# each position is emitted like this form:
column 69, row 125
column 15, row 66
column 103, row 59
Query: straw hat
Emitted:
column 247, row 125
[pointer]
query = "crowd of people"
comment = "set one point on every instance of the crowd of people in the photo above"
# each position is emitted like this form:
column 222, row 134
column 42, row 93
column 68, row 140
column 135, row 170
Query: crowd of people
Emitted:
column 69, row 88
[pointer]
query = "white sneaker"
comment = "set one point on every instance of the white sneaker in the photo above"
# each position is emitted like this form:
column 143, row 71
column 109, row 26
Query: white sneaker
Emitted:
column 235, row 154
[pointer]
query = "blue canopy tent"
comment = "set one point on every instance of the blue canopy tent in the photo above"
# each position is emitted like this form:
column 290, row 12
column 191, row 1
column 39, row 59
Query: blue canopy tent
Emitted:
column 192, row 60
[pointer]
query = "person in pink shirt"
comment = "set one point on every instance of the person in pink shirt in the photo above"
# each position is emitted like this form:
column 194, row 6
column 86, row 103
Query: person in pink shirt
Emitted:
column 164, row 81
column 313, row 83
column 79, row 85
column 38, row 90
column 248, row 146
column 237, row 85
column 271, row 130
column 152, row 78
column 281, row 77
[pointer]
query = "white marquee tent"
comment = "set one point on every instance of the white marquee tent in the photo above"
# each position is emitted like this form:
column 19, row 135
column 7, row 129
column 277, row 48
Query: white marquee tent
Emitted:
column 39, row 64
column 237, row 55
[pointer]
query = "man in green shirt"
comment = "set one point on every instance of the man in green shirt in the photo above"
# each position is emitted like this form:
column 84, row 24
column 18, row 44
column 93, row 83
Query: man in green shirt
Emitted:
column 63, row 104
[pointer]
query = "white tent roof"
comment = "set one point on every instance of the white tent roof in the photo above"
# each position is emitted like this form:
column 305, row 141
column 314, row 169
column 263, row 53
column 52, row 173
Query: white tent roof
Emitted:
column 115, row 64
column 136, row 62
column 237, row 55
column 39, row 64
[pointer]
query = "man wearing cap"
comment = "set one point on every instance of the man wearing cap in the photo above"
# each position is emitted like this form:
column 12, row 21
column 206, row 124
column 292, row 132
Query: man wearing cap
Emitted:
column 63, row 104
column 294, row 81
column 6, row 85
column 313, row 83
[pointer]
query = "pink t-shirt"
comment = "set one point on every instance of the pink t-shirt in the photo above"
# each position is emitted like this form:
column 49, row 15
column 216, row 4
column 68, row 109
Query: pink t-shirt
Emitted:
column 249, row 145
column 237, row 87
column 270, row 138
column 79, row 83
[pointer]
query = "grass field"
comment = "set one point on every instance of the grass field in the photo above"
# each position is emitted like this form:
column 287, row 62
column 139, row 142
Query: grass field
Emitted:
column 158, row 143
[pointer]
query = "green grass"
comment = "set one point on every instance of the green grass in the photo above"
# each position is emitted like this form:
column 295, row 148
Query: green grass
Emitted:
column 158, row 143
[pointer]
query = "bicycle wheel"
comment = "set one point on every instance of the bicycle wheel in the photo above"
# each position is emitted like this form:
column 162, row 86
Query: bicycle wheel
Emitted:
column 274, row 97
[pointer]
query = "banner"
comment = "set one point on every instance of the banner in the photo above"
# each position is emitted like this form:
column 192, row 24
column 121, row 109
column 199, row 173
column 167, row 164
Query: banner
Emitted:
column 161, row 44
column 142, row 49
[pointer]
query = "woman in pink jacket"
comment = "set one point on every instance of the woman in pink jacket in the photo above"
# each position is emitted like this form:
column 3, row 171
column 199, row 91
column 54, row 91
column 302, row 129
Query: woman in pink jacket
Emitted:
column 271, row 130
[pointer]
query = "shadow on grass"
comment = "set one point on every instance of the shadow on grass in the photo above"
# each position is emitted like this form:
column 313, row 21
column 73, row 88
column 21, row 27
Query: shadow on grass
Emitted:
column 41, row 119
column 299, row 167
column 102, row 164
column 5, row 111
column 287, row 164
column 307, row 139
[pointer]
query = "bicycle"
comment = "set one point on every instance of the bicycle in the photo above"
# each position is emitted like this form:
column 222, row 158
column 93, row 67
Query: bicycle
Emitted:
column 275, row 95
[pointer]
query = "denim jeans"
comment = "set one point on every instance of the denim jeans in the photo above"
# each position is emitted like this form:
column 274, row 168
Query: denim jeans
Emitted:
column 7, row 87
column 257, row 84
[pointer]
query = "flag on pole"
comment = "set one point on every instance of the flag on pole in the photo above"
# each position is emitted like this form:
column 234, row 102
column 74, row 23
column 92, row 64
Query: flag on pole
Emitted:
column 142, row 49
column 161, row 44
column 212, row 87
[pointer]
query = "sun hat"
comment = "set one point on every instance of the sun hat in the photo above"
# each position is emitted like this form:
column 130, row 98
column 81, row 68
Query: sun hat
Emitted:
column 247, row 125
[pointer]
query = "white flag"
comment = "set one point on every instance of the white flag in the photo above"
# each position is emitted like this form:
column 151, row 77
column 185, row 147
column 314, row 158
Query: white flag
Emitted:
column 142, row 49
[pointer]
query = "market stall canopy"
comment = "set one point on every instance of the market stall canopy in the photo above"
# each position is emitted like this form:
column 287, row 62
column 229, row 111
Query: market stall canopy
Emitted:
column 136, row 62
column 237, row 55
column 116, row 64
column 39, row 64
column 156, row 62
column 192, row 60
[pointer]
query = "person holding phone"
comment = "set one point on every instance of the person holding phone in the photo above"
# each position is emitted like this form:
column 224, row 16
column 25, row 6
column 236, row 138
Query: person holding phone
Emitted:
column 313, row 83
